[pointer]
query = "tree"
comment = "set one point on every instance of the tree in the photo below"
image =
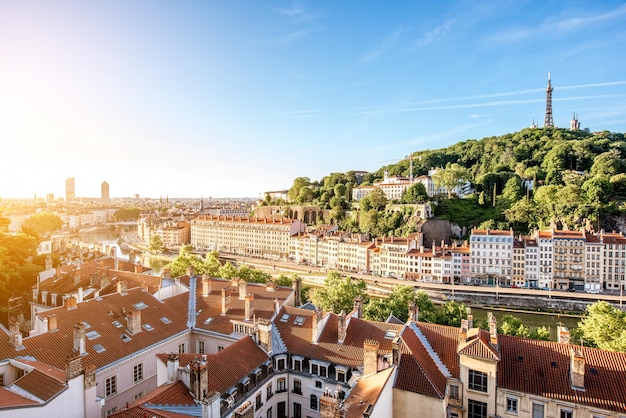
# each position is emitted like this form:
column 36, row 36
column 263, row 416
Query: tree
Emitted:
column 604, row 326
column 298, row 183
column 338, row 293
column 156, row 244
column 377, row 199
column 127, row 214
column 450, row 177
column 184, row 260
column 228, row 271
column 212, row 263
column 415, row 193
column 44, row 223
column 397, row 304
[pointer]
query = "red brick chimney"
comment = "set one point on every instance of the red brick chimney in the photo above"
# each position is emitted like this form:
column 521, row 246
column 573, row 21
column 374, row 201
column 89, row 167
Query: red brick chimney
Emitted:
column 133, row 322
column 370, row 357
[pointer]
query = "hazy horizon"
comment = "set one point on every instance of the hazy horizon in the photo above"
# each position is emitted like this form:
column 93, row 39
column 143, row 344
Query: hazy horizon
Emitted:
column 238, row 98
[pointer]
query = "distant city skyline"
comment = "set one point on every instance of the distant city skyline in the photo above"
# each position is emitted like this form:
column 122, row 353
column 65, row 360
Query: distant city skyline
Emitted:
column 231, row 99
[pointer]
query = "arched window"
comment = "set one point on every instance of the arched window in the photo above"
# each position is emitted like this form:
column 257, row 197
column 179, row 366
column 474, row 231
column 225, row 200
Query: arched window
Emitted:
column 314, row 402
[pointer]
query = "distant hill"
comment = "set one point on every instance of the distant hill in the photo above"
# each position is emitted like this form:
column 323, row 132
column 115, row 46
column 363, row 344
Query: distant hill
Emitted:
column 540, row 177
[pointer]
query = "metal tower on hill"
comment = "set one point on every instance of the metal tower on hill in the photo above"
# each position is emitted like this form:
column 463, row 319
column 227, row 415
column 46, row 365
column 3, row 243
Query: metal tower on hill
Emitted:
column 548, row 123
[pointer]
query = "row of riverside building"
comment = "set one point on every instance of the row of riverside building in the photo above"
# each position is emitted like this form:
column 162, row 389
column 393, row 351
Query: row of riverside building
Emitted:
column 555, row 259
column 125, row 345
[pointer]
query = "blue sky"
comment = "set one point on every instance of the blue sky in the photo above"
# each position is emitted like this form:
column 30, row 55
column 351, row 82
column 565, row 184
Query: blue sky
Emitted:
column 234, row 98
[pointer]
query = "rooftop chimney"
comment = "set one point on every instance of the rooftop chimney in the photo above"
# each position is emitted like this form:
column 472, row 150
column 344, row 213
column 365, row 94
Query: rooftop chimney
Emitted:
column 470, row 321
column 276, row 306
column 52, row 323
column 80, row 295
column 264, row 330
column 16, row 335
column 316, row 326
column 131, row 257
column 413, row 312
column 199, row 379
column 116, row 262
column 137, row 268
column 563, row 334
column 577, row 369
column 358, row 306
column 121, row 288
column 225, row 300
column 329, row 405
column 172, row 367
column 395, row 351
column 73, row 366
column 370, row 357
column 167, row 273
column 79, row 338
column 90, row 376
column 243, row 289
column 270, row 285
column 249, row 310
column 297, row 290
column 206, row 285
column 133, row 322
column 70, row 303
column 341, row 327
column 464, row 329
column 190, row 271
column 493, row 329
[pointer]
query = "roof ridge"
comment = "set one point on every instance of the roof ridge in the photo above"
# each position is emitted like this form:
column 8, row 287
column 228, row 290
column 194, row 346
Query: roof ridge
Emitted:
column 442, row 367
column 191, row 307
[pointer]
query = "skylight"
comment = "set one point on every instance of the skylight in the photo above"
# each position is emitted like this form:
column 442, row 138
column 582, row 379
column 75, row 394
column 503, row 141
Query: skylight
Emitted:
column 147, row 327
column 391, row 334
column 99, row 348
column 140, row 305
column 117, row 324
column 208, row 321
column 166, row 320
column 284, row 318
column 299, row 320
column 92, row 335
column 125, row 338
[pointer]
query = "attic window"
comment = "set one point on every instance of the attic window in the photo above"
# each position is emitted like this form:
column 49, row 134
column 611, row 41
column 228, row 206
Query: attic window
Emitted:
column 92, row 335
column 593, row 371
column 390, row 334
column 147, row 327
column 140, row 305
column 117, row 324
column 166, row 320
column 125, row 338
column 86, row 325
column 520, row 358
column 284, row 318
column 553, row 364
column 299, row 320
column 99, row 348
column 208, row 321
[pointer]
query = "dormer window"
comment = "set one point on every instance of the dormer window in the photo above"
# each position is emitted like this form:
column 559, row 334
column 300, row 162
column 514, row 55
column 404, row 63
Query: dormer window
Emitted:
column 296, row 364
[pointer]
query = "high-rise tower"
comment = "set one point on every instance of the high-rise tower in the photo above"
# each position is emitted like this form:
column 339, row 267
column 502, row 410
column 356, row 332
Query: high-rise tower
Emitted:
column 104, row 191
column 548, row 123
column 70, row 190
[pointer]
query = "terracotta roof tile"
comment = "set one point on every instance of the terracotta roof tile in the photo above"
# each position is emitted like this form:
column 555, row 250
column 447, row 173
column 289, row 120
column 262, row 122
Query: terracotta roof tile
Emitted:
column 365, row 393
column 100, row 315
column 169, row 394
column 9, row 399
column 40, row 385
column 230, row 365
column 443, row 339
column 543, row 368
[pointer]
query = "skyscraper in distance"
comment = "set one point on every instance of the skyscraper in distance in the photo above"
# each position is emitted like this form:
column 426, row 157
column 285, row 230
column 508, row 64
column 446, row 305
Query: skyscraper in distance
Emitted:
column 70, row 190
column 104, row 191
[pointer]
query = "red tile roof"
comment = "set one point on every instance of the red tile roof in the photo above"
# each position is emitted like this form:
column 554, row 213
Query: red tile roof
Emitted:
column 443, row 339
column 100, row 315
column 298, row 338
column 478, row 345
column 9, row 399
column 230, row 365
column 40, row 385
column 543, row 368
column 169, row 394
column 365, row 393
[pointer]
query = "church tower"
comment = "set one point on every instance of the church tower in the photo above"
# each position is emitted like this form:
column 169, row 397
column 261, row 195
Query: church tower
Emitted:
column 574, row 124
column 548, row 123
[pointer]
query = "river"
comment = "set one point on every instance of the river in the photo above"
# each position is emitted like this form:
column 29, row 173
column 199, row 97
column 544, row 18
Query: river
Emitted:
column 110, row 237
column 531, row 319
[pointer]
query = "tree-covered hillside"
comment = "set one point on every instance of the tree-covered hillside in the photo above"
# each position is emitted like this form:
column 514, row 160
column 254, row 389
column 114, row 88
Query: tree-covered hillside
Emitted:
column 524, row 180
